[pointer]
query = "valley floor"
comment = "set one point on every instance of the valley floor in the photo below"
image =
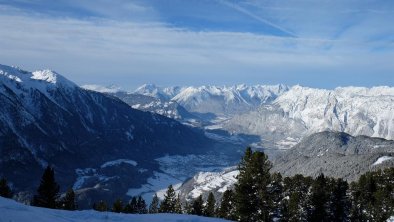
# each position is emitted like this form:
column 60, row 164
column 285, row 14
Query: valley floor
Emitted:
column 17, row 212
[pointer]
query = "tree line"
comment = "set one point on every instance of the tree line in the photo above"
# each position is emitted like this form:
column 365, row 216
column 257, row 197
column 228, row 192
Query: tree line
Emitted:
column 258, row 195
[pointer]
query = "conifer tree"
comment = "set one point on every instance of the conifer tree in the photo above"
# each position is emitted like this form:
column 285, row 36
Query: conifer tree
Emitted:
column 198, row 206
column 339, row 202
column 276, row 193
column 48, row 191
column 226, row 209
column 178, row 205
column 100, row 206
column 117, row 206
column 68, row 202
column 209, row 209
column 141, row 206
column 319, row 199
column 252, row 198
column 132, row 206
column 168, row 204
column 5, row 190
column 154, row 205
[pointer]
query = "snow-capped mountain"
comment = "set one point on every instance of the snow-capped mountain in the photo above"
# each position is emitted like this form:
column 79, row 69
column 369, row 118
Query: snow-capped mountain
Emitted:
column 164, row 94
column 302, row 111
column 170, row 109
column 221, row 101
column 47, row 119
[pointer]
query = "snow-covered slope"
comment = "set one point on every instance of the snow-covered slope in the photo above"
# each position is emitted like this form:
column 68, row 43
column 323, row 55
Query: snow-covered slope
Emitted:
column 221, row 101
column 17, row 212
column 302, row 111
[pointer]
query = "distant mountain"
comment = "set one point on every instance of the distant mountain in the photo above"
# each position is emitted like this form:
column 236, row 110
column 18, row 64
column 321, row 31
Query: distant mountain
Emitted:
column 221, row 101
column 302, row 111
column 164, row 94
column 170, row 109
column 337, row 155
column 89, row 138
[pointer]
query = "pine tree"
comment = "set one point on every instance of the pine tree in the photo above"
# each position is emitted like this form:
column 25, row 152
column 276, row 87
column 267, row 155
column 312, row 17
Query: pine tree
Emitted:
column 209, row 209
column 319, row 199
column 252, row 199
column 198, row 206
column 141, row 206
column 68, row 202
column 168, row 204
column 132, row 206
column 5, row 190
column 154, row 205
column 117, row 206
column 178, row 205
column 48, row 191
column 100, row 206
column 276, row 193
column 295, row 198
column 226, row 209
column 339, row 202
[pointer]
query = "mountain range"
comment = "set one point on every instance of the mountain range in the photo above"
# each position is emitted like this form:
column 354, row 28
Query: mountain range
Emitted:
column 108, row 143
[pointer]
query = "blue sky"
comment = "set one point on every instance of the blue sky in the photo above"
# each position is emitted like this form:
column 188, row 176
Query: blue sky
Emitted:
column 317, row 43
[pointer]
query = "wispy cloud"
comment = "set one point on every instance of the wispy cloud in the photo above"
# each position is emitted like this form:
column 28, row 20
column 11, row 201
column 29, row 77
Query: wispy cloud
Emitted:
column 129, row 52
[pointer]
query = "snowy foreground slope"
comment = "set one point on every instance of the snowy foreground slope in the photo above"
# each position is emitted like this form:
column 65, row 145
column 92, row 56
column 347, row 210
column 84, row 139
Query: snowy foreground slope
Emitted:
column 17, row 212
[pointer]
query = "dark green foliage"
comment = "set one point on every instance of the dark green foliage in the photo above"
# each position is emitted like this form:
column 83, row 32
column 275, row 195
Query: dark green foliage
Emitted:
column 252, row 198
column 154, row 205
column 178, row 205
column 68, row 202
column 295, row 196
column 339, row 201
column 100, row 206
column 5, row 190
column 226, row 209
column 117, row 206
column 132, row 206
column 198, row 206
column 141, row 206
column 319, row 199
column 169, row 202
column 372, row 196
column 276, row 193
column 209, row 209
column 48, row 191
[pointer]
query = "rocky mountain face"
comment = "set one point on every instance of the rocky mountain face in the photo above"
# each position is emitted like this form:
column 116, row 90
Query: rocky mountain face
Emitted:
column 89, row 138
column 302, row 111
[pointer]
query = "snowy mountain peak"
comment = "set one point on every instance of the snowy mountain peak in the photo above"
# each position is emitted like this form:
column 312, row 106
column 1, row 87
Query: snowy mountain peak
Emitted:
column 42, row 79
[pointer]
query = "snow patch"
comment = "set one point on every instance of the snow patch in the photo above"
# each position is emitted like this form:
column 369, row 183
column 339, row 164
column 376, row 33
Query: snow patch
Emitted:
column 382, row 159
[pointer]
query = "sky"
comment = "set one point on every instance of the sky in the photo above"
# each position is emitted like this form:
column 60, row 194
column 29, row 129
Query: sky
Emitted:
column 315, row 43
